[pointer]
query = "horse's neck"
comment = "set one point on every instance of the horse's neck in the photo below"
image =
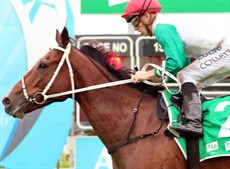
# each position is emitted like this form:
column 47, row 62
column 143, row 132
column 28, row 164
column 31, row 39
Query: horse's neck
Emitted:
column 109, row 110
column 88, row 72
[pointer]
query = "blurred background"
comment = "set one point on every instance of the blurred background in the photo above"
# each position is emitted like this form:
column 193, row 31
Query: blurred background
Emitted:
column 59, row 135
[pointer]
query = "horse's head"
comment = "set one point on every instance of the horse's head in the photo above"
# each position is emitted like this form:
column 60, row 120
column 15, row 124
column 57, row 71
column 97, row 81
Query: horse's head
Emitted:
column 28, row 94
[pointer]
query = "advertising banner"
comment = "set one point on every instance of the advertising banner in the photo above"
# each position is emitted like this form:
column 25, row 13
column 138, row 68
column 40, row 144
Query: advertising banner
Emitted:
column 172, row 6
column 27, row 31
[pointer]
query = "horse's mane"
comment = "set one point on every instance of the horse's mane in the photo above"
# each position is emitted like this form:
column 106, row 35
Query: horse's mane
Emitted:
column 102, row 55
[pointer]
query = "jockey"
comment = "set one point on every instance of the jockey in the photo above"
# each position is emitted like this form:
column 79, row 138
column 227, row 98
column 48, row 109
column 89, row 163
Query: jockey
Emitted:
column 207, row 42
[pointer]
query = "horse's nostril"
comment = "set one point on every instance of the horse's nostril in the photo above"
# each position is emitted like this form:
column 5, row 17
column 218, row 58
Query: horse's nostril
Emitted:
column 6, row 101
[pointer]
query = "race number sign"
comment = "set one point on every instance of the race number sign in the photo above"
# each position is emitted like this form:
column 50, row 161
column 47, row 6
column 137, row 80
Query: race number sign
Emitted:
column 148, row 47
column 122, row 45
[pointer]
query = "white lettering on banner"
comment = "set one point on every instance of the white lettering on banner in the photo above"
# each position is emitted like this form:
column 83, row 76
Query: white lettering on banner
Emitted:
column 212, row 146
column 104, row 160
column 106, row 45
column 119, row 47
column 227, row 145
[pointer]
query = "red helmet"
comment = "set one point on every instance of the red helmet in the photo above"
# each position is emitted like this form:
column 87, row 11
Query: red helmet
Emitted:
column 139, row 7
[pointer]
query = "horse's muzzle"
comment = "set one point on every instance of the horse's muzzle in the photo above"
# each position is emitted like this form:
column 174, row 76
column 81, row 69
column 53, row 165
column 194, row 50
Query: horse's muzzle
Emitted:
column 15, row 112
column 7, row 103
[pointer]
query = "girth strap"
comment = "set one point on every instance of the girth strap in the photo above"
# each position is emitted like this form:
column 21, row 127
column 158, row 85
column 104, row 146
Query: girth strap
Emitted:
column 137, row 138
column 131, row 140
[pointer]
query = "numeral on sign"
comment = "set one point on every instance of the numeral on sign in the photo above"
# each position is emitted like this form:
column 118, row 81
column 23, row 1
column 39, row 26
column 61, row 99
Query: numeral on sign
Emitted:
column 225, row 127
column 157, row 47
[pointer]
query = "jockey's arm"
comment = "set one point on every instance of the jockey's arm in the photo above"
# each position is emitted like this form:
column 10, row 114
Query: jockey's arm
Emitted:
column 145, row 75
column 173, row 47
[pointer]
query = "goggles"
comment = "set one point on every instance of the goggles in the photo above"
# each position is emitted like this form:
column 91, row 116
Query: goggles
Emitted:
column 135, row 21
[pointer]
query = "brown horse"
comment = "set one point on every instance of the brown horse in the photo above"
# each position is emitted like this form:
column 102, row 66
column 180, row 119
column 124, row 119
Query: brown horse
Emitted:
column 109, row 110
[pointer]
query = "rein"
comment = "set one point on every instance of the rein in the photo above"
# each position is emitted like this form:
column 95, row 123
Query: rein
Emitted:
column 73, row 91
column 65, row 57
column 137, row 138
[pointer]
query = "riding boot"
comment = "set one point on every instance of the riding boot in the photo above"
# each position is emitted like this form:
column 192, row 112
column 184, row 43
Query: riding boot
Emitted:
column 193, row 112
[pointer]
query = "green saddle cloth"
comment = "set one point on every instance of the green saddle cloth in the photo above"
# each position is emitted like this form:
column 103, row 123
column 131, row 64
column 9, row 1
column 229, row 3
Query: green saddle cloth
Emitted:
column 216, row 127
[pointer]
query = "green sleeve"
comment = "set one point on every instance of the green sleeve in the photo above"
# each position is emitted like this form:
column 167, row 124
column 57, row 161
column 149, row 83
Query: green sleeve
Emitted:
column 169, row 39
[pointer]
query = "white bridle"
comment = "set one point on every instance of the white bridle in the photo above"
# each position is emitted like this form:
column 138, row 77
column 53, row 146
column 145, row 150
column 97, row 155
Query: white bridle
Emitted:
column 73, row 91
column 65, row 57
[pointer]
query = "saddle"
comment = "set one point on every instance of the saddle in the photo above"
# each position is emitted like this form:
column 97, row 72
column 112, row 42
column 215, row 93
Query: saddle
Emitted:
column 176, row 100
column 215, row 120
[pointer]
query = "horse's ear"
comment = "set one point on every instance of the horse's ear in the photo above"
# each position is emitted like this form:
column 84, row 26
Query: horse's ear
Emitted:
column 58, row 37
column 63, row 38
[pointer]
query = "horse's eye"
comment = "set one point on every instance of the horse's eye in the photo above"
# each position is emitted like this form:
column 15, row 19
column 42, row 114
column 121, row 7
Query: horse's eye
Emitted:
column 42, row 66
